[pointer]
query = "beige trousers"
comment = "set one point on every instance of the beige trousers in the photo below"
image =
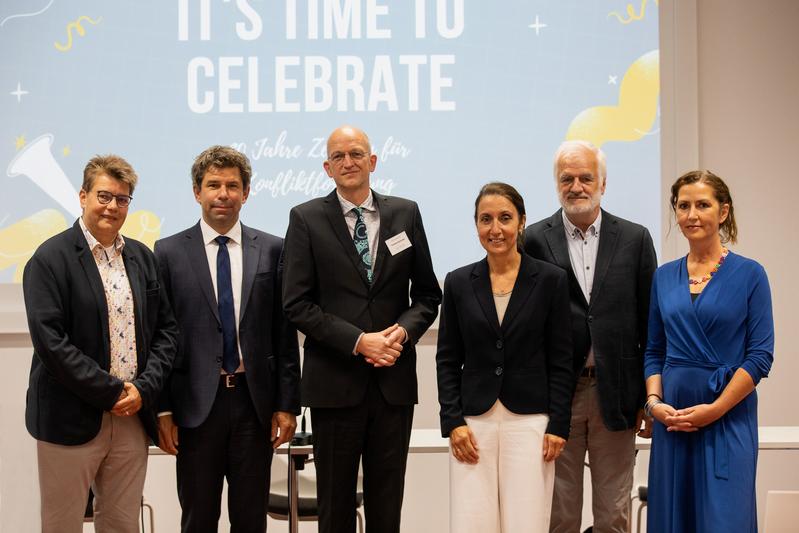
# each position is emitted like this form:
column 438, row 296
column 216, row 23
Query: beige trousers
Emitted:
column 510, row 489
column 611, row 455
column 114, row 464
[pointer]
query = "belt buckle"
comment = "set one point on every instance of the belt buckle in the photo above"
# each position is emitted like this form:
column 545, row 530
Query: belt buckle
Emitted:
column 230, row 381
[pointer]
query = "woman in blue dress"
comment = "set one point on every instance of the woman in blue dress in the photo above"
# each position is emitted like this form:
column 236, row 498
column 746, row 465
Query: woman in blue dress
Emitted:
column 711, row 338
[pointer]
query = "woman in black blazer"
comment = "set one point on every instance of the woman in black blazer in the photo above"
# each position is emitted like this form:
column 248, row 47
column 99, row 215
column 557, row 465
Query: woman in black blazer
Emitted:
column 504, row 375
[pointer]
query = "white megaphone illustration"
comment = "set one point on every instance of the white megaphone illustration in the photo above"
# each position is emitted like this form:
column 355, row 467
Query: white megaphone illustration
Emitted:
column 36, row 161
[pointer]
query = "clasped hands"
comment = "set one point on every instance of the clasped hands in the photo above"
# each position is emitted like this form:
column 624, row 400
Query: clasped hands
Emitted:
column 464, row 447
column 687, row 419
column 129, row 401
column 382, row 348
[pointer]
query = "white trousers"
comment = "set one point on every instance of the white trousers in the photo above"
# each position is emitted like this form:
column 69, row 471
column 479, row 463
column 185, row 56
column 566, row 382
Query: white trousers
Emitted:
column 509, row 490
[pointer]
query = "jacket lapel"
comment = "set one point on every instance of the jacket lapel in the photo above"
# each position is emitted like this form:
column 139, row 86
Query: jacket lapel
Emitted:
column 481, row 284
column 386, row 212
column 555, row 235
column 608, row 238
column 195, row 251
column 249, row 251
column 334, row 215
column 89, row 266
column 525, row 282
column 133, row 272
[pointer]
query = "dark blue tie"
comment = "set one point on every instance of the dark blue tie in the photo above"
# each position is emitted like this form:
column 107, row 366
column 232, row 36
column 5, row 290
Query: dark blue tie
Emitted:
column 227, row 313
column 361, row 240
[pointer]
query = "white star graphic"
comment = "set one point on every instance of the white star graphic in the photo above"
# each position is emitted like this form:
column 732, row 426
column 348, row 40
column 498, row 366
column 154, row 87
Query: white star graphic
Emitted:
column 18, row 93
column 612, row 80
column 537, row 26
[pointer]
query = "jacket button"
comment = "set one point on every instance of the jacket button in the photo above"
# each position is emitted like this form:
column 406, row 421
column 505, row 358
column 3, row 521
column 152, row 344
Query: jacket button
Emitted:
column 499, row 344
column 498, row 371
column 219, row 329
column 218, row 359
column 590, row 318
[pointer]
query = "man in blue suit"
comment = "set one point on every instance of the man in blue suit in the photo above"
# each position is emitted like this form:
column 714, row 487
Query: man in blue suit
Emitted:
column 235, row 383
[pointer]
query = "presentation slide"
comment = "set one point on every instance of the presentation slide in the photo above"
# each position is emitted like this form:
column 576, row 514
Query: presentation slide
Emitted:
column 452, row 93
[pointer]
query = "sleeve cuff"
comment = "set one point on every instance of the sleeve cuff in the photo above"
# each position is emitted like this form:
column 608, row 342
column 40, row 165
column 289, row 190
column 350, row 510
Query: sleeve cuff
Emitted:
column 357, row 341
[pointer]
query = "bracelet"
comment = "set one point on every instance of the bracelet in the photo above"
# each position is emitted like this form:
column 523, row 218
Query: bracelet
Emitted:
column 651, row 405
column 658, row 396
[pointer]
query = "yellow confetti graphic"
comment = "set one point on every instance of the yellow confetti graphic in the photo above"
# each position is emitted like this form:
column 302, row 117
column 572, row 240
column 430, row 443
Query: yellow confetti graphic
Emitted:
column 66, row 150
column 144, row 226
column 632, row 16
column 76, row 25
column 635, row 114
column 19, row 142
column 19, row 240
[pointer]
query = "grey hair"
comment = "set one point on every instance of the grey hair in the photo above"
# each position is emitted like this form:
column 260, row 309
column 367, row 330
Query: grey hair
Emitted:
column 569, row 146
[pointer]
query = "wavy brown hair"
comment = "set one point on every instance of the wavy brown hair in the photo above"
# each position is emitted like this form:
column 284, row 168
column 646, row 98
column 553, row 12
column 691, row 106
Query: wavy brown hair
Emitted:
column 728, row 230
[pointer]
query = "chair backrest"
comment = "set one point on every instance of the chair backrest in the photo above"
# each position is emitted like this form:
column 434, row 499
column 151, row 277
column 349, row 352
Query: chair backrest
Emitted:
column 782, row 511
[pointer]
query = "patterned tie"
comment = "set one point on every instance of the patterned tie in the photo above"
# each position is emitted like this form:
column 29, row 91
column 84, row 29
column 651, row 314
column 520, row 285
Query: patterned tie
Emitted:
column 227, row 314
column 361, row 241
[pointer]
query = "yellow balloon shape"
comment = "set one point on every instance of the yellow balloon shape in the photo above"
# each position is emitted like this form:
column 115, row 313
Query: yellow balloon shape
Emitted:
column 144, row 226
column 19, row 240
column 635, row 114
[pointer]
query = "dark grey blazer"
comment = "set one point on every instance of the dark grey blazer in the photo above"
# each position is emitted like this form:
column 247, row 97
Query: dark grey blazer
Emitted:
column 327, row 296
column 526, row 362
column 615, row 322
column 70, row 385
column 268, row 342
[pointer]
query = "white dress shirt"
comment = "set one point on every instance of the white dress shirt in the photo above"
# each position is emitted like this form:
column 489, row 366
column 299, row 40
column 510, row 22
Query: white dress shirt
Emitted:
column 582, row 255
column 236, row 269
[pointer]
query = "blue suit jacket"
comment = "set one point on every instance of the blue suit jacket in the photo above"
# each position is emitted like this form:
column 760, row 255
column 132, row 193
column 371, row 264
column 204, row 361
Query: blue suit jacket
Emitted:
column 268, row 342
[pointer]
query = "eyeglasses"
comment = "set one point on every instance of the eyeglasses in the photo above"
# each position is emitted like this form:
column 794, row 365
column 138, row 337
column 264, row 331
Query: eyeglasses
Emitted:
column 338, row 157
column 105, row 197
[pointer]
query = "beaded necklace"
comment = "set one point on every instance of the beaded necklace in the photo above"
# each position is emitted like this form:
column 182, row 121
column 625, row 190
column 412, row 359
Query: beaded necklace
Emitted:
column 707, row 277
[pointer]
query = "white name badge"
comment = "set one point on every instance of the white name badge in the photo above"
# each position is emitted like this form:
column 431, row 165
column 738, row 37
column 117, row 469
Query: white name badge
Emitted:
column 398, row 243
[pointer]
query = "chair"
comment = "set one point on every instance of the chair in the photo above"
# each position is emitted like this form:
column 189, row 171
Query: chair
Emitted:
column 88, row 515
column 642, row 498
column 307, row 507
column 782, row 511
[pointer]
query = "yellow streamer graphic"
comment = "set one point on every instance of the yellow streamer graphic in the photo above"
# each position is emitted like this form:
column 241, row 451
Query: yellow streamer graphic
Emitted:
column 631, row 13
column 635, row 114
column 19, row 240
column 76, row 25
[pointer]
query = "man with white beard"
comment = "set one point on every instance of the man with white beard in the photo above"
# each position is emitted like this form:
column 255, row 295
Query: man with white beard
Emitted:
column 610, row 262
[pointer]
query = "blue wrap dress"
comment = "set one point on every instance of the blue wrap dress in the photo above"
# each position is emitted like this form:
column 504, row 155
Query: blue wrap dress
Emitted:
column 705, row 481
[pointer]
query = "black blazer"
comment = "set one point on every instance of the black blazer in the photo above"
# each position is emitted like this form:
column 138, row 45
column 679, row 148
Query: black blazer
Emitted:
column 70, row 385
column 526, row 363
column 615, row 321
column 268, row 342
column 326, row 295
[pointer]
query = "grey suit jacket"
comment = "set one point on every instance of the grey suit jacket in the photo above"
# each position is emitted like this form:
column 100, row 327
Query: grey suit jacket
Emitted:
column 615, row 321
column 268, row 342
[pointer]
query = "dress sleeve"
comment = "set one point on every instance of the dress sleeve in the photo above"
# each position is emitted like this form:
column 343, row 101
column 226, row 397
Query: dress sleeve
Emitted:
column 759, row 328
column 656, row 335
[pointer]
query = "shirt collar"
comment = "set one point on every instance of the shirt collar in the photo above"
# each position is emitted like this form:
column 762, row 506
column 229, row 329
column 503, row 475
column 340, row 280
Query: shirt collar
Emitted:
column 347, row 206
column 119, row 241
column 572, row 230
column 209, row 233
